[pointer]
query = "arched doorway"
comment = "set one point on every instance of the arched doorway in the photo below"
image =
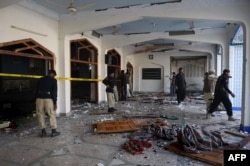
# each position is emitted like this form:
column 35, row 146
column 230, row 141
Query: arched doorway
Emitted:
column 84, row 63
column 21, row 63
column 113, row 61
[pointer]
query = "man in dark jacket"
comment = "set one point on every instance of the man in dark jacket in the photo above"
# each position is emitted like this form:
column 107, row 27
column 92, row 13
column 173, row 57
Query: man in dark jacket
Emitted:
column 46, row 98
column 109, row 81
column 123, row 86
column 180, row 85
column 172, row 85
column 221, row 94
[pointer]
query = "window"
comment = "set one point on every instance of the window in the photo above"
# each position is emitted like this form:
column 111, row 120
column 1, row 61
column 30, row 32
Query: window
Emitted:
column 236, row 67
column 151, row 73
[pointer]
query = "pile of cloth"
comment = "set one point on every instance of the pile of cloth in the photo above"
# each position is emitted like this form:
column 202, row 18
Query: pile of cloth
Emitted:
column 163, row 132
column 196, row 139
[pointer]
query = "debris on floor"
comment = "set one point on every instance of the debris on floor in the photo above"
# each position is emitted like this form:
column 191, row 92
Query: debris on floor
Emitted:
column 136, row 146
column 151, row 126
column 211, row 157
column 196, row 143
column 195, row 139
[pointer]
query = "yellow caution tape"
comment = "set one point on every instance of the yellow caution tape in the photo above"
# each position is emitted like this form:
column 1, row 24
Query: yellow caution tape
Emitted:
column 37, row 76
column 19, row 75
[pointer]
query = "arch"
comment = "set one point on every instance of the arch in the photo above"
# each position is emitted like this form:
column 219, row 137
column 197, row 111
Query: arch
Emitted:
column 18, row 58
column 27, row 48
column 113, row 61
column 84, row 64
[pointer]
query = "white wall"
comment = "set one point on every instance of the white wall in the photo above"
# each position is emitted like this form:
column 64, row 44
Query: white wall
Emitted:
column 160, row 60
column 195, row 76
column 21, row 17
column 31, row 21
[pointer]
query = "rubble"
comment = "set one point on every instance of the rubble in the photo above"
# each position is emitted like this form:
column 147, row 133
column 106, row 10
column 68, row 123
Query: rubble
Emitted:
column 81, row 144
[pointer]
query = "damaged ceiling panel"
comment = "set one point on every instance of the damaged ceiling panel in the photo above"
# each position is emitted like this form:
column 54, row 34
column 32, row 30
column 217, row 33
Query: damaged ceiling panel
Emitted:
column 66, row 6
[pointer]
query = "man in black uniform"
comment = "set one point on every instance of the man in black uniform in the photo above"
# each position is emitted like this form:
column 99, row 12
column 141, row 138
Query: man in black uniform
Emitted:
column 221, row 94
column 172, row 85
column 109, row 81
column 123, row 86
column 180, row 85
column 46, row 98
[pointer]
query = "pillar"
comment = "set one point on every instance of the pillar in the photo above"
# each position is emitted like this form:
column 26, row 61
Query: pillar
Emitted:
column 225, row 56
column 245, row 113
column 63, row 67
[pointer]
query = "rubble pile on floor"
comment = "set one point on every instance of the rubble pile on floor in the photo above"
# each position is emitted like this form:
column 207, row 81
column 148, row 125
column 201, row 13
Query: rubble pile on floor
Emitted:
column 148, row 129
column 191, row 138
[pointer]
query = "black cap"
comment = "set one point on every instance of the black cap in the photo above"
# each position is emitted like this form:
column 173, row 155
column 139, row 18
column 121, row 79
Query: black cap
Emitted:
column 226, row 71
column 52, row 71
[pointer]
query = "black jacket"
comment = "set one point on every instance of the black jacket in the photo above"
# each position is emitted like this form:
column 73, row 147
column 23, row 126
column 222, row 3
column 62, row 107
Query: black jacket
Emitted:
column 110, row 82
column 221, row 86
column 180, row 81
column 47, row 88
column 123, row 80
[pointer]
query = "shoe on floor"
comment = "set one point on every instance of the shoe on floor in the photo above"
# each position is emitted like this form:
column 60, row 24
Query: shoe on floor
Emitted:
column 113, row 109
column 230, row 118
column 110, row 110
column 208, row 116
column 54, row 133
column 43, row 134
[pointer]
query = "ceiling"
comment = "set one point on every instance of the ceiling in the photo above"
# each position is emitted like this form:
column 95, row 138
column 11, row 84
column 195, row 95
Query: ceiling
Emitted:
column 143, row 26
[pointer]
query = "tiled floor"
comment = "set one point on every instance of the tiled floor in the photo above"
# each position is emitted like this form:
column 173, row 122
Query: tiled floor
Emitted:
column 79, row 145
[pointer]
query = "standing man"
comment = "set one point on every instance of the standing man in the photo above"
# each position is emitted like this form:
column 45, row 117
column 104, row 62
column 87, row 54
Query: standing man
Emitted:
column 172, row 85
column 221, row 94
column 208, row 88
column 130, row 82
column 123, row 86
column 116, row 91
column 127, row 83
column 180, row 85
column 109, row 81
column 46, row 98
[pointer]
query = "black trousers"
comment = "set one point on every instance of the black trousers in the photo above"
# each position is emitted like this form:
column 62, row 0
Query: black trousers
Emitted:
column 218, row 98
column 181, row 95
column 124, row 92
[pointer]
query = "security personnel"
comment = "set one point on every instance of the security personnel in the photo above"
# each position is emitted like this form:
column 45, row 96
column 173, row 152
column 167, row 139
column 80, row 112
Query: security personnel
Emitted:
column 123, row 86
column 109, row 81
column 221, row 94
column 208, row 88
column 46, row 98
column 180, row 85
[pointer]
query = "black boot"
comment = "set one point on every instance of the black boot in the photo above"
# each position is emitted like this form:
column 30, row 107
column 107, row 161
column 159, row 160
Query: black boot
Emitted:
column 110, row 110
column 54, row 133
column 113, row 109
column 43, row 134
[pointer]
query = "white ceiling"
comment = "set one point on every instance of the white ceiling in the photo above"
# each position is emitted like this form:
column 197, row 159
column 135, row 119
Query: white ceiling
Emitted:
column 145, row 25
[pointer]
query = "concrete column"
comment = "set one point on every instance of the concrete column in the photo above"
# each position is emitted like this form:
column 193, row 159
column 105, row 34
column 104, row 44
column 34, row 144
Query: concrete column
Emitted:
column 225, row 56
column 63, row 67
column 102, row 73
column 212, row 61
column 245, row 113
